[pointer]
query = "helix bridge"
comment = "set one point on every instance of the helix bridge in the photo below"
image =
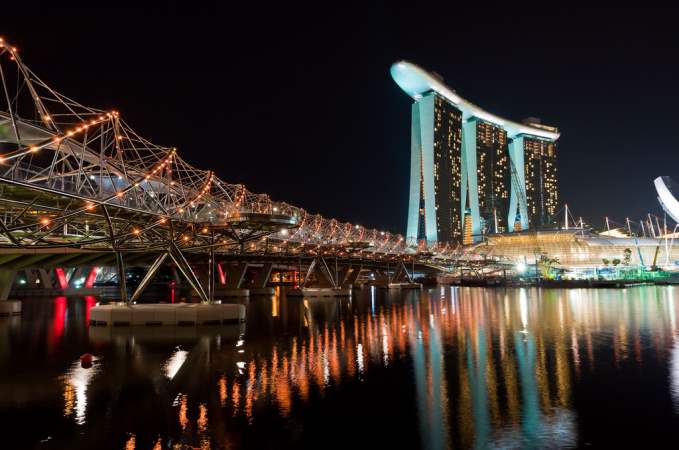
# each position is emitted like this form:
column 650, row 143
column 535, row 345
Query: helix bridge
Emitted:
column 81, row 179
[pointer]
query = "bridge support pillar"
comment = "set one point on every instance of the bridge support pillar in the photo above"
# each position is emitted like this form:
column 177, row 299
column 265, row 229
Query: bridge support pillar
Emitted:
column 352, row 277
column 79, row 272
column 259, row 286
column 8, row 307
column 6, row 281
column 45, row 279
column 148, row 277
column 188, row 273
column 235, row 274
column 323, row 283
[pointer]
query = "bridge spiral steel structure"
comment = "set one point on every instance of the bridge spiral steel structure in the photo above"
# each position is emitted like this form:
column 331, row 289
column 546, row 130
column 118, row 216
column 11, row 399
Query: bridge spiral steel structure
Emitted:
column 81, row 177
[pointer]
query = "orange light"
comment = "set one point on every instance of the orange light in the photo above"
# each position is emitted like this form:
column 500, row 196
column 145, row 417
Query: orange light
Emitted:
column 119, row 194
column 205, row 230
column 136, row 231
column 45, row 221
column 186, row 238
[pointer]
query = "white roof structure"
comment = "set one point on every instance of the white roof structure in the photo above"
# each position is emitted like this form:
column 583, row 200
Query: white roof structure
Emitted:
column 416, row 81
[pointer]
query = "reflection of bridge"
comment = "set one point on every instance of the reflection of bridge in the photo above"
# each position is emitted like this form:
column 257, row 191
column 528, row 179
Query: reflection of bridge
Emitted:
column 77, row 180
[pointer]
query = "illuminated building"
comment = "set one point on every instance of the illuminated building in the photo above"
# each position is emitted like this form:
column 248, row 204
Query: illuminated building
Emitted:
column 541, row 180
column 463, row 157
column 577, row 249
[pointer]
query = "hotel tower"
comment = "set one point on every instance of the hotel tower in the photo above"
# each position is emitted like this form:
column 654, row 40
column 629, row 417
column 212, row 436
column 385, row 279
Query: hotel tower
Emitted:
column 473, row 173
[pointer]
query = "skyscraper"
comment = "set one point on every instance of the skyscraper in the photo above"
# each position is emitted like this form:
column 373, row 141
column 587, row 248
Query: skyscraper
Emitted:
column 473, row 173
column 542, row 195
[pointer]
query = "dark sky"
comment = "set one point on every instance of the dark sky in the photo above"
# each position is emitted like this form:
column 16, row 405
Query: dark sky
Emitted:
column 298, row 101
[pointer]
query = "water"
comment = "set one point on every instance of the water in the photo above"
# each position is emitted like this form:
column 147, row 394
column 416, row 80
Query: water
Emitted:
column 445, row 368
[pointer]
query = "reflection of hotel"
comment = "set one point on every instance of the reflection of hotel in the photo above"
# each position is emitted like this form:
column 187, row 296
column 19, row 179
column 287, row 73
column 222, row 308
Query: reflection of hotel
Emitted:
column 473, row 173
column 485, row 370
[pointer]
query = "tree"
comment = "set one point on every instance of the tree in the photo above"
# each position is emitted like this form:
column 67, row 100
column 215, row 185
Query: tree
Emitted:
column 546, row 265
column 627, row 257
column 605, row 261
column 615, row 261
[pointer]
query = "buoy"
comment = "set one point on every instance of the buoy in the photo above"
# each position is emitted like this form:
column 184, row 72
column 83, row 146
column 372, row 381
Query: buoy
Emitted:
column 86, row 360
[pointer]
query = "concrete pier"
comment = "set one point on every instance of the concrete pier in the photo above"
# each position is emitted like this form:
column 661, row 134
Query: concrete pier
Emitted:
column 10, row 308
column 403, row 286
column 320, row 292
column 221, row 292
column 263, row 291
column 189, row 314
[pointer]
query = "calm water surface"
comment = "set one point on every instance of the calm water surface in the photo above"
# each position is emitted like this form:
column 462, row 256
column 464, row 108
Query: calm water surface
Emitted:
column 444, row 368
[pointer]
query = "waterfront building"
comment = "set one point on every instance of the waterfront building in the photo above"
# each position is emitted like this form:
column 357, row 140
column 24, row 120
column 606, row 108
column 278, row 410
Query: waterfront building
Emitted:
column 466, row 159
column 577, row 249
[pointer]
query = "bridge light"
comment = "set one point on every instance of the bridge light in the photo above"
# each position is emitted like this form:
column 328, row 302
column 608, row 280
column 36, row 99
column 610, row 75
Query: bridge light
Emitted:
column 205, row 230
column 45, row 221
column 119, row 194
column 185, row 238
column 136, row 231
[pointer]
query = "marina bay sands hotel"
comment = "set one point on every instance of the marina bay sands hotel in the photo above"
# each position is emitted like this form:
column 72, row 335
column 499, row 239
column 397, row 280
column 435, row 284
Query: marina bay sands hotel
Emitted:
column 473, row 173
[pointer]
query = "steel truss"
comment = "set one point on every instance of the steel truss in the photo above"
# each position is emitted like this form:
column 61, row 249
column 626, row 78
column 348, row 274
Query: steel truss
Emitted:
column 76, row 176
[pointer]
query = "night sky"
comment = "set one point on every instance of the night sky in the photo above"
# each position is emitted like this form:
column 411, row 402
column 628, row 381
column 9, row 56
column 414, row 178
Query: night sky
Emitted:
column 298, row 101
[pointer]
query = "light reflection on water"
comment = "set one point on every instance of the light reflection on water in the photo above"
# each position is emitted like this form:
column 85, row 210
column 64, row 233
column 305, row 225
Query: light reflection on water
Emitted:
column 445, row 368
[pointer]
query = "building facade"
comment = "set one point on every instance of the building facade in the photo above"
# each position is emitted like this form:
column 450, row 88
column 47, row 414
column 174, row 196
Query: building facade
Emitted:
column 473, row 173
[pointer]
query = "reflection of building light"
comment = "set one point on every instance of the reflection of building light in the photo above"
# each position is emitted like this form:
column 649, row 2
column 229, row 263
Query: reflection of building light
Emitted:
column 223, row 391
column 131, row 442
column 76, row 381
column 174, row 363
column 183, row 418
column 202, row 418
column 523, row 306
column 359, row 357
